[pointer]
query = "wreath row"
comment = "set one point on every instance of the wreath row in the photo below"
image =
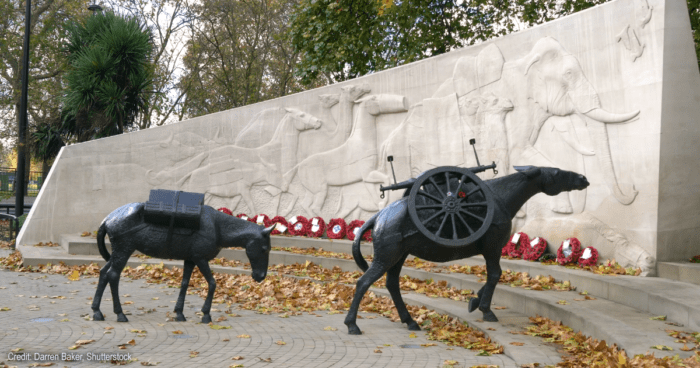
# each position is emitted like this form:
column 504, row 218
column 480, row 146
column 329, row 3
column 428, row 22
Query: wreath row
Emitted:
column 301, row 226
column 520, row 246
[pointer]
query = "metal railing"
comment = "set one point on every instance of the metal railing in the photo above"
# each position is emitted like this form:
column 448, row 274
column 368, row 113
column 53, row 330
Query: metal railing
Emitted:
column 7, row 180
column 9, row 227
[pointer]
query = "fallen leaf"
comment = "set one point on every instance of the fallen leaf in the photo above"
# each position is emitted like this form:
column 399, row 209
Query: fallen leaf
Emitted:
column 483, row 353
column 84, row 342
column 138, row 331
column 73, row 347
column 429, row 344
column 686, row 348
column 491, row 329
column 517, row 343
column 235, row 366
column 237, row 357
column 74, row 276
column 450, row 362
column 132, row 342
column 225, row 340
column 281, row 343
column 218, row 327
column 177, row 332
column 662, row 347
column 563, row 302
column 149, row 364
column 266, row 360
column 377, row 351
column 330, row 328
column 193, row 354
column 498, row 308
column 16, row 350
column 243, row 336
column 5, row 309
column 412, row 335
column 658, row 318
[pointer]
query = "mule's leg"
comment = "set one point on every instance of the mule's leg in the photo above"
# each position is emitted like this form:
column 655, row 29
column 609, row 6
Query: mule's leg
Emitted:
column 180, row 305
column 203, row 266
column 118, row 263
column 319, row 199
column 373, row 274
column 493, row 274
column 474, row 302
column 392, row 284
column 101, row 285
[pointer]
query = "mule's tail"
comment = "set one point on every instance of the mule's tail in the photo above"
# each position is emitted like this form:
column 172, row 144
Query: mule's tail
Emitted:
column 101, row 232
column 356, row 252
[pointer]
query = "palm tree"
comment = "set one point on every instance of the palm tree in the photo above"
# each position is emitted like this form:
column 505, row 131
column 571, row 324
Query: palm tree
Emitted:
column 109, row 74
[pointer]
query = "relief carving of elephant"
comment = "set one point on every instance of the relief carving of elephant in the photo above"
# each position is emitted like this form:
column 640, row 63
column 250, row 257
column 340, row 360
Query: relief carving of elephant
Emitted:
column 546, row 82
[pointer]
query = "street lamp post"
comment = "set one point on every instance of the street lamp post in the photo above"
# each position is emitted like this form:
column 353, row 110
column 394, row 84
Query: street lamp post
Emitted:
column 22, row 126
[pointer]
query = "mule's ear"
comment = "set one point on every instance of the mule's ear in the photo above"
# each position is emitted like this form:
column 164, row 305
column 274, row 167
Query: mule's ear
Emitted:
column 267, row 231
column 530, row 171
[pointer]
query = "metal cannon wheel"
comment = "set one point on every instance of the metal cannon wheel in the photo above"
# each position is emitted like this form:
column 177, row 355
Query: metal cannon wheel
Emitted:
column 451, row 206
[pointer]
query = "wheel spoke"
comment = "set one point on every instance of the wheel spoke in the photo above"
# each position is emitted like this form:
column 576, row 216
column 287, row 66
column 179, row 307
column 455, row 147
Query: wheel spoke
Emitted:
column 473, row 215
column 465, row 223
column 447, row 180
column 473, row 191
column 444, row 219
column 437, row 188
column 477, row 204
column 423, row 206
column 454, row 227
column 461, row 182
column 436, row 214
column 426, row 194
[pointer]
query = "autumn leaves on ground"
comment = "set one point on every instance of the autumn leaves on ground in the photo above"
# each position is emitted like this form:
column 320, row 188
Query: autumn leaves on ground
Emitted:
column 296, row 289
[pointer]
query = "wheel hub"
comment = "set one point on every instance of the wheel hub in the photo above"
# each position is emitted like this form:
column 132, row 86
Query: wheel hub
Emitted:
column 451, row 204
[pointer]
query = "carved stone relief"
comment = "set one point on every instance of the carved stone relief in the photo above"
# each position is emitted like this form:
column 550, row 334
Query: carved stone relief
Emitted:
column 629, row 35
column 351, row 162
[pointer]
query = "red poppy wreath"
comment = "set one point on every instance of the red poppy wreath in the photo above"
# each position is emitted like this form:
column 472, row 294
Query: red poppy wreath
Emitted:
column 569, row 251
column 516, row 245
column 318, row 226
column 225, row 210
column 299, row 226
column 589, row 257
column 336, row 229
column 535, row 249
column 262, row 220
column 281, row 225
column 243, row 216
column 353, row 228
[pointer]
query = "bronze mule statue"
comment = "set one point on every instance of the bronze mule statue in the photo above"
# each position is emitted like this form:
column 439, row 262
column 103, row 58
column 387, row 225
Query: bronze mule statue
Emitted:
column 128, row 232
column 396, row 236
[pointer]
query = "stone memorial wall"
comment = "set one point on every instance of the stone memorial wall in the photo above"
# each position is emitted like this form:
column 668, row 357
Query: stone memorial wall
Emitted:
column 612, row 92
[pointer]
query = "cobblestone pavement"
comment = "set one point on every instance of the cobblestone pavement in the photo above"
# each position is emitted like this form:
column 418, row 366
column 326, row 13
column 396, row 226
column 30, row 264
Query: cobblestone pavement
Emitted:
column 46, row 317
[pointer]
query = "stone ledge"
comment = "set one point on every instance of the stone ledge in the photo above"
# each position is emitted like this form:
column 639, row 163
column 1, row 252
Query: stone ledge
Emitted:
column 680, row 271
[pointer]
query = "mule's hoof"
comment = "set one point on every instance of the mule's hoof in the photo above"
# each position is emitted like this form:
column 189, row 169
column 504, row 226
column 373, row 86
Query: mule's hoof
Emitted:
column 490, row 317
column 206, row 318
column 180, row 318
column 413, row 326
column 354, row 330
column 98, row 316
column 473, row 304
column 121, row 317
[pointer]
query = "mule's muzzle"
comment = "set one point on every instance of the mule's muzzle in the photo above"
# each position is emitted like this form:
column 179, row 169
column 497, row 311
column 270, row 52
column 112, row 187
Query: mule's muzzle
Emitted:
column 582, row 183
column 259, row 276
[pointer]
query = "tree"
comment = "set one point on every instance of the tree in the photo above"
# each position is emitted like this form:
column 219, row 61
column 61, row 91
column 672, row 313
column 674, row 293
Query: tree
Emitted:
column 108, row 77
column 168, row 20
column 349, row 38
column 45, row 64
column 237, row 55
column 46, row 143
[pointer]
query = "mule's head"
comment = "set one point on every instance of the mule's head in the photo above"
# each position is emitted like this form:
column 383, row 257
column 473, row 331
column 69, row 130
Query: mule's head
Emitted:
column 554, row 181
column 257, row 248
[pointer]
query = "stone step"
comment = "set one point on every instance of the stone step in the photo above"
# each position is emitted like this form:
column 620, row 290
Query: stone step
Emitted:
column 679, row 301
column 680, row 271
